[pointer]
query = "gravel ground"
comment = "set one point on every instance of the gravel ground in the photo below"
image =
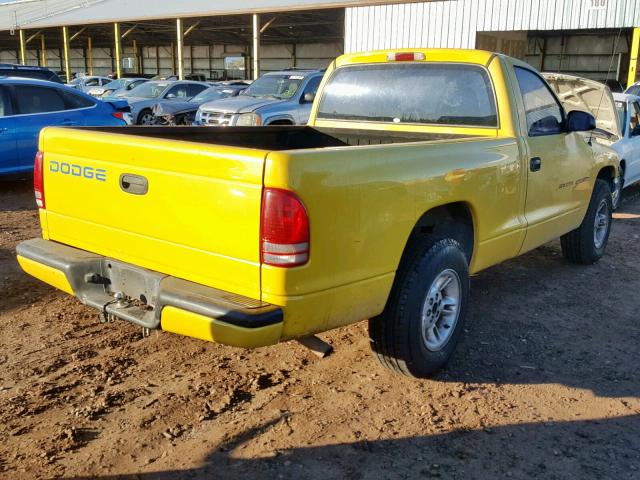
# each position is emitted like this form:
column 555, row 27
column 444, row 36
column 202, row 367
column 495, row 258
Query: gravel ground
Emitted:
column 545, row 384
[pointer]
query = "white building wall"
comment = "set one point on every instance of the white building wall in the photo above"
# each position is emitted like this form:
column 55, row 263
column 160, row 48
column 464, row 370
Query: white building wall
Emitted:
column 455, row 23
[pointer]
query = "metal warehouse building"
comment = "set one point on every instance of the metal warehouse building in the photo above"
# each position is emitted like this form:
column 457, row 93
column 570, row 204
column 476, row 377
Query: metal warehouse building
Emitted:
column 224, row 39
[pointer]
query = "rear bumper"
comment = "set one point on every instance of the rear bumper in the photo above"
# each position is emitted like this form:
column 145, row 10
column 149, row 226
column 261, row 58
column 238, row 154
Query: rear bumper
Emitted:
column 151, row 299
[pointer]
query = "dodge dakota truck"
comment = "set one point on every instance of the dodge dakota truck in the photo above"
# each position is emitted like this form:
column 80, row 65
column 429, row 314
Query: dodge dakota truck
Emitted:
column 417, row 168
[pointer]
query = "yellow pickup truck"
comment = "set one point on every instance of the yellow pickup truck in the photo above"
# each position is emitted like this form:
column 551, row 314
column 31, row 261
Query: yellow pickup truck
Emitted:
column 417, row 168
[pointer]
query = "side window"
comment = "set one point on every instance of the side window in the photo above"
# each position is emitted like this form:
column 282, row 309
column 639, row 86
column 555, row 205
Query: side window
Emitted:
column 5, row 108
column 32, row 99
column 74, row 101
column 634, row 117
column 178, row 91
column 542, row 110
column 193, row 90
column 312, row 86
column 92, row 82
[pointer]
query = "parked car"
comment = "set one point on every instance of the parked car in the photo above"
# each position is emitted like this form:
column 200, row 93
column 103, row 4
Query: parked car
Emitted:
column 197, row 77
column 584, row 94
column 276, row 98
column 116, row 88
column 84, row 84
column 633, row 89
column 26, row 106
column 174, row 112
column 145, row 96
column 628, row 147
column 23, row 71
column 417, row 168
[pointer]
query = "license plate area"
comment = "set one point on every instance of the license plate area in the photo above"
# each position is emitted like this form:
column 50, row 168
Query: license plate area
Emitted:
column 136, row 284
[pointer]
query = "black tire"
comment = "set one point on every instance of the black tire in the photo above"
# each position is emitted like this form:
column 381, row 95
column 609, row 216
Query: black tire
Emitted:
column 142, row 114
column 397, row 335
column 580, row 245
column 616, row 195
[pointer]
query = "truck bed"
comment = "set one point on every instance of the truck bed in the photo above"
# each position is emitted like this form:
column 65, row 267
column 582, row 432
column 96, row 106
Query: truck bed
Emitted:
column 277, row 138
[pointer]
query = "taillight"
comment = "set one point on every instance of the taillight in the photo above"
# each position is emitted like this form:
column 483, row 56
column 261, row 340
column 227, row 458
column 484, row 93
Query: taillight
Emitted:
column 404, row 56
column 38, row 179
column 118, row 115
column 284, row 229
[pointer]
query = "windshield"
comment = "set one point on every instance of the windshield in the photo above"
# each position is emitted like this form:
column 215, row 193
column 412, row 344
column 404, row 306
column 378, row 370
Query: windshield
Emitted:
column 275, row 86
column 424, row 93
column 213, row 93
column 148, row 90
column 75, row 81
column 621, row 107
column 116, row 84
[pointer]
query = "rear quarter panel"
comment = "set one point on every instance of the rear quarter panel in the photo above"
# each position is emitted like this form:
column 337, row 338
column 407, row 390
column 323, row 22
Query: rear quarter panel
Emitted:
column 363, row 203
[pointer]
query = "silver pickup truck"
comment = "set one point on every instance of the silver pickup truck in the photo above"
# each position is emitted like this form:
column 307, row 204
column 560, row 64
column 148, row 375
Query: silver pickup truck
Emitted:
column 276, row 98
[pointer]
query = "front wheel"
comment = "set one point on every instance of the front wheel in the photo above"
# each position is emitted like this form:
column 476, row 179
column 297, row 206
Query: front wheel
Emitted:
column 616, row 193
column 586, row 244
column 423, row 320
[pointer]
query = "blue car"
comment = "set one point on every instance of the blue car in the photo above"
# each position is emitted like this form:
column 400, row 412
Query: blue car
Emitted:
column 26, row 106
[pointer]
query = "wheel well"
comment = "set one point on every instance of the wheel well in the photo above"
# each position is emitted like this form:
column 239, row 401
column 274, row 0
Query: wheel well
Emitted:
column 453, row 220
column 608, row 174
column 281, row 122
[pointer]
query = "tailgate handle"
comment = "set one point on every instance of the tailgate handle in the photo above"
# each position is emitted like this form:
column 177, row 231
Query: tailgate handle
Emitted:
column 134, row 184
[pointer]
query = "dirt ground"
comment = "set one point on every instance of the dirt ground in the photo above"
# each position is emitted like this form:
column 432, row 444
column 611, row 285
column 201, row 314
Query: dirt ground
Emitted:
column 545, row 384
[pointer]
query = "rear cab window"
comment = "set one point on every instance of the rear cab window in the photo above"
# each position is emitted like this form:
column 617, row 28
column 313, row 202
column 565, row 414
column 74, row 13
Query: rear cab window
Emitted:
column 446, row 94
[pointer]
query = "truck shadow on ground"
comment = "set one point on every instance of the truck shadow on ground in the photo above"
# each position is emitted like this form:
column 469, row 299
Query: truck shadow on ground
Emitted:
column 538, row 319
column 560, row 450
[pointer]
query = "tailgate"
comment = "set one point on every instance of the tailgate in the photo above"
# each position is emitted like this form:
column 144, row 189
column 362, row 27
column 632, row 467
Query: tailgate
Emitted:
column 189, row 210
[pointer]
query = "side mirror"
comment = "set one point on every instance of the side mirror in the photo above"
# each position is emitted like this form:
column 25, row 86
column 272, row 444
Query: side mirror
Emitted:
column 579, row 121
column 170, row 96
column 308, row 97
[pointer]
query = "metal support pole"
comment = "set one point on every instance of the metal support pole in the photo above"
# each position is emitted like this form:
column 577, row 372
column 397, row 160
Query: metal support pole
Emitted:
column 118, row 48
column 90, row 55
column 633, row 62
column 255, row 54
column 180, row 49
column 23, row 48
column 135, row 55
column 43, row 51
column 65, row 46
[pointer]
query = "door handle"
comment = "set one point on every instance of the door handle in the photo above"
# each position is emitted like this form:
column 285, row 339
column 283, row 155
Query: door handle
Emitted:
column 134, row 184
column 2, row 130
column 535, row 164
column 68, row 123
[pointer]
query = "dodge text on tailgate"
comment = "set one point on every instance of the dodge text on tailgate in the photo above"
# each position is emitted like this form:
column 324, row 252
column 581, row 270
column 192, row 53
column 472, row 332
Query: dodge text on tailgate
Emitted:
column 417, row 168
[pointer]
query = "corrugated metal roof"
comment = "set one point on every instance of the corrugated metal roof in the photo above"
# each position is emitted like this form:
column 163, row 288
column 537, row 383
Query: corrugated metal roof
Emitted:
column 52, row 13
column 454, row 23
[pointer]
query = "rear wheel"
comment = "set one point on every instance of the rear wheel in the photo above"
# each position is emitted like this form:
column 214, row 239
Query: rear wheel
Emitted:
column 423, row 320
column 146, row 117
column 586, row 244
